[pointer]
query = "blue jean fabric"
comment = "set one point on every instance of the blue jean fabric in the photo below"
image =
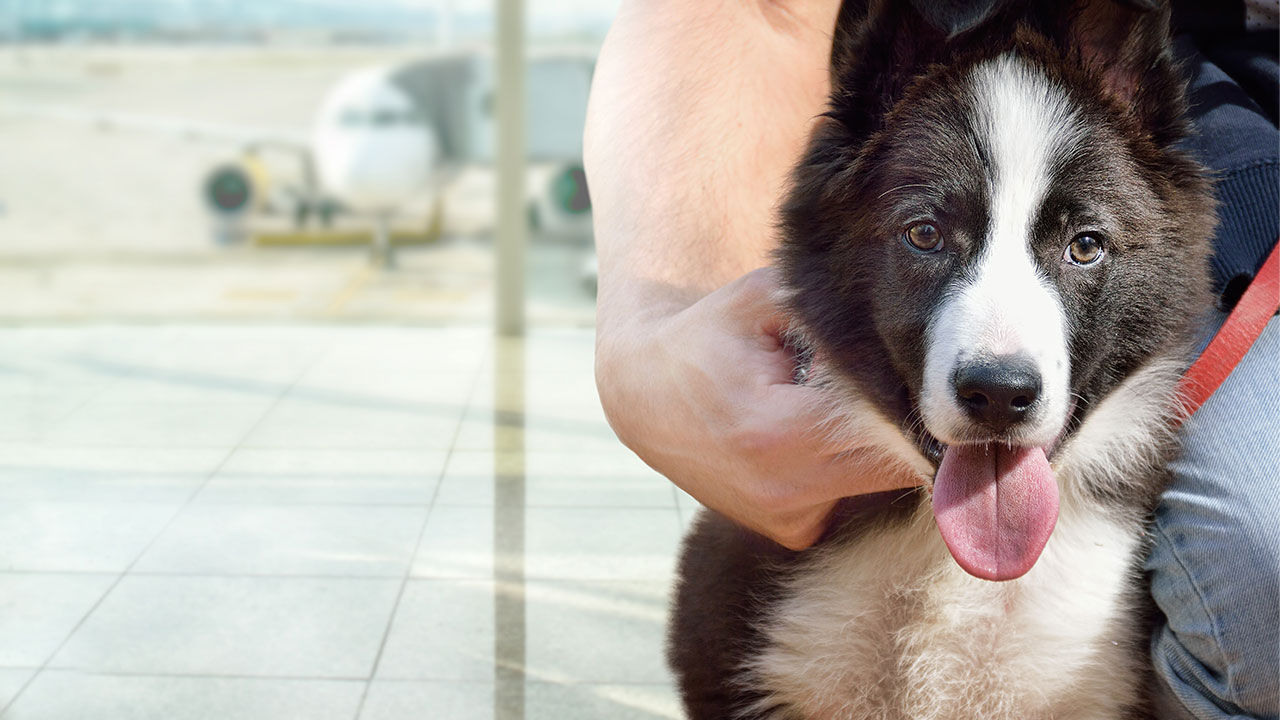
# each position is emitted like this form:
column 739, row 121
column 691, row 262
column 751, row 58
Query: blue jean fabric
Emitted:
column 1216, row 560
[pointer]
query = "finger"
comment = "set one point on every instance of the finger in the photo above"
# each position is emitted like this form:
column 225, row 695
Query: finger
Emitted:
column 755, row 312
column 757, row 304
column 852, row 461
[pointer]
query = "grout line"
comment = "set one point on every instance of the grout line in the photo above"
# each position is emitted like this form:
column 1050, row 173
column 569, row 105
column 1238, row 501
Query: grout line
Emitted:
column 413, row 557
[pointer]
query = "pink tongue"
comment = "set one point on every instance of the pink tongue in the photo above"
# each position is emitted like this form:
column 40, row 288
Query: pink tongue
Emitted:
column 995, row 507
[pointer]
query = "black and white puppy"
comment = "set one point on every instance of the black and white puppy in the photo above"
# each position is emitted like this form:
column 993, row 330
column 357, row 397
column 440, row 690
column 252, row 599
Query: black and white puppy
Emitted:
column 994, row 251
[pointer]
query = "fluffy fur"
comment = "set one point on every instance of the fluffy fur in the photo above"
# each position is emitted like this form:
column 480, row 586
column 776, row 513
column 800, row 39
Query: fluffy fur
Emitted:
column 1044, row 122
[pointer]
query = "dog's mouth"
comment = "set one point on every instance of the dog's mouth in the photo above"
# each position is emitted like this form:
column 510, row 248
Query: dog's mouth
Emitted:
column 995, row 503
column 995, row 506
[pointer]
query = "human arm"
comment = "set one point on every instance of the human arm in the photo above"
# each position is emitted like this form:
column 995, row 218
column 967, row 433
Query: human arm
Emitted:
column 698, row 112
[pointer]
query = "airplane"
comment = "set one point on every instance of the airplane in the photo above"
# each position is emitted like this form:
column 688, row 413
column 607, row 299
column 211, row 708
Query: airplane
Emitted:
column 386, row 136
column 385, row 139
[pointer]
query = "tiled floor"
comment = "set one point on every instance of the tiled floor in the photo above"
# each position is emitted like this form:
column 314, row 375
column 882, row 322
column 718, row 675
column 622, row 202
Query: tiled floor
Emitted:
column 323, row 522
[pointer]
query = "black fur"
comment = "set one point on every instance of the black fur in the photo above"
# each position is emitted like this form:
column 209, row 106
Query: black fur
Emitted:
column 895, row 144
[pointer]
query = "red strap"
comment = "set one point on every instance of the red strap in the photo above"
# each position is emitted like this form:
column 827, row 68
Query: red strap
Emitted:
column 1244, row 325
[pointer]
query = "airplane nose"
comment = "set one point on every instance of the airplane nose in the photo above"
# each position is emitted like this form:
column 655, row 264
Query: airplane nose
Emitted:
column 998, row 392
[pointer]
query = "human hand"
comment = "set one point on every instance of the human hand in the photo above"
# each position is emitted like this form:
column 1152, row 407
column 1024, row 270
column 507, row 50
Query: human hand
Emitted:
column 705, row 396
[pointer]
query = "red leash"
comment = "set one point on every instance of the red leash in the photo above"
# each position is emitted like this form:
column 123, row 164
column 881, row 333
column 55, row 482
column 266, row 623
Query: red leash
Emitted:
column 1244, row 325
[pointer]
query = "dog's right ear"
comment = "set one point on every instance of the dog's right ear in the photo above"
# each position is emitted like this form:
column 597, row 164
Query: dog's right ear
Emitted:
column 881, row 45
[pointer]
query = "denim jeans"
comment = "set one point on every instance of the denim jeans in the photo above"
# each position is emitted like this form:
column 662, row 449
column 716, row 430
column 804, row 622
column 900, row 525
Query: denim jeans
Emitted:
column 1216, row 559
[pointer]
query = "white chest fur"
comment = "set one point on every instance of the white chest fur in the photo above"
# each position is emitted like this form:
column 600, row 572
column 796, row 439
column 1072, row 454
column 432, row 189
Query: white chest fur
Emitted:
column 888, row 626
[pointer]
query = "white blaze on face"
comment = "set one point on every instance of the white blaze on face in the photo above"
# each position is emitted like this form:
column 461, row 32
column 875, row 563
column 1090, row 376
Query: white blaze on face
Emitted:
column 1005, row 306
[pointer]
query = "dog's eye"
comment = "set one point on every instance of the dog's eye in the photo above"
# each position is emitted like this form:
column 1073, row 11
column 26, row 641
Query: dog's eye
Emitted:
column 1084, row 249
column 923, row 236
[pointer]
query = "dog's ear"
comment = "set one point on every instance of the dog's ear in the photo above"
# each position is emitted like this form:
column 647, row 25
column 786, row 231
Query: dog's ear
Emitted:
column 878, row 47
column 1125, row 43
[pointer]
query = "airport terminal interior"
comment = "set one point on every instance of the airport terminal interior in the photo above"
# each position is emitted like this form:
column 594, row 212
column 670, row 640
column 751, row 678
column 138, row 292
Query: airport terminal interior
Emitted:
column 263, row 454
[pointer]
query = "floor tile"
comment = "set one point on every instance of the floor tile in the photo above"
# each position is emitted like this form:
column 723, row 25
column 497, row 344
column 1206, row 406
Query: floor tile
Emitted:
column 355, row 540
column 364, row 423
column 571, row 394
column 554, row 393
column 413, row 699
column 317, row 453
column 38, row 612
column 210, row 424
column 556, row 478
column 56, row 536
column 319, row 475
column 457, row 543
column 237, row 364
column 303, row 342
column 277, row 627
column 600, row 543
column 443, row 630
column 549, row 429
column 550, row 348
column 468, row 478
column 476, row 433
column 418, row 383
column 604, row 632
column 570, row 490
column 104, row 474
column 616, row 462
column 123, row 341
column 28, row 419
column 11, row 681
column 36, row 371
column 550, row 701
column 445, row 349
column 188, row 386
column 203, row 355
column 58, row 695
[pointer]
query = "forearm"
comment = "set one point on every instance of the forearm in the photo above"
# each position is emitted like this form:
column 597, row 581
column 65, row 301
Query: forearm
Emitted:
column 698, row 111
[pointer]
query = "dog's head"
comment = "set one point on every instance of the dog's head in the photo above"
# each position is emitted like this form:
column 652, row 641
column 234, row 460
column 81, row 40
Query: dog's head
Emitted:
column 991, row 230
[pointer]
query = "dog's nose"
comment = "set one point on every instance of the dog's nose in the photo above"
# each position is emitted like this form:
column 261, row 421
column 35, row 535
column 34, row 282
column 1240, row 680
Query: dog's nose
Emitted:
column 998, row 392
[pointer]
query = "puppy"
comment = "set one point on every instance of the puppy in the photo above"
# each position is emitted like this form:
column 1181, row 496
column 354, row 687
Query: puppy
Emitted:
column 994, row 250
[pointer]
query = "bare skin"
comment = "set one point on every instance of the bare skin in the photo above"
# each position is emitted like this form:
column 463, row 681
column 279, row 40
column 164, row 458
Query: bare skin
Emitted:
column 699, row 109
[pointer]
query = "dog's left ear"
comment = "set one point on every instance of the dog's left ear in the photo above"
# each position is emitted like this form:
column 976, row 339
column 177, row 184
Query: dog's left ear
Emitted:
column 1126, row 44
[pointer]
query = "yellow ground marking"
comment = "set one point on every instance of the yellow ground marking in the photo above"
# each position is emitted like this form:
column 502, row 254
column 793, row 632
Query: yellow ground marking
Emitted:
column 354, row 287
